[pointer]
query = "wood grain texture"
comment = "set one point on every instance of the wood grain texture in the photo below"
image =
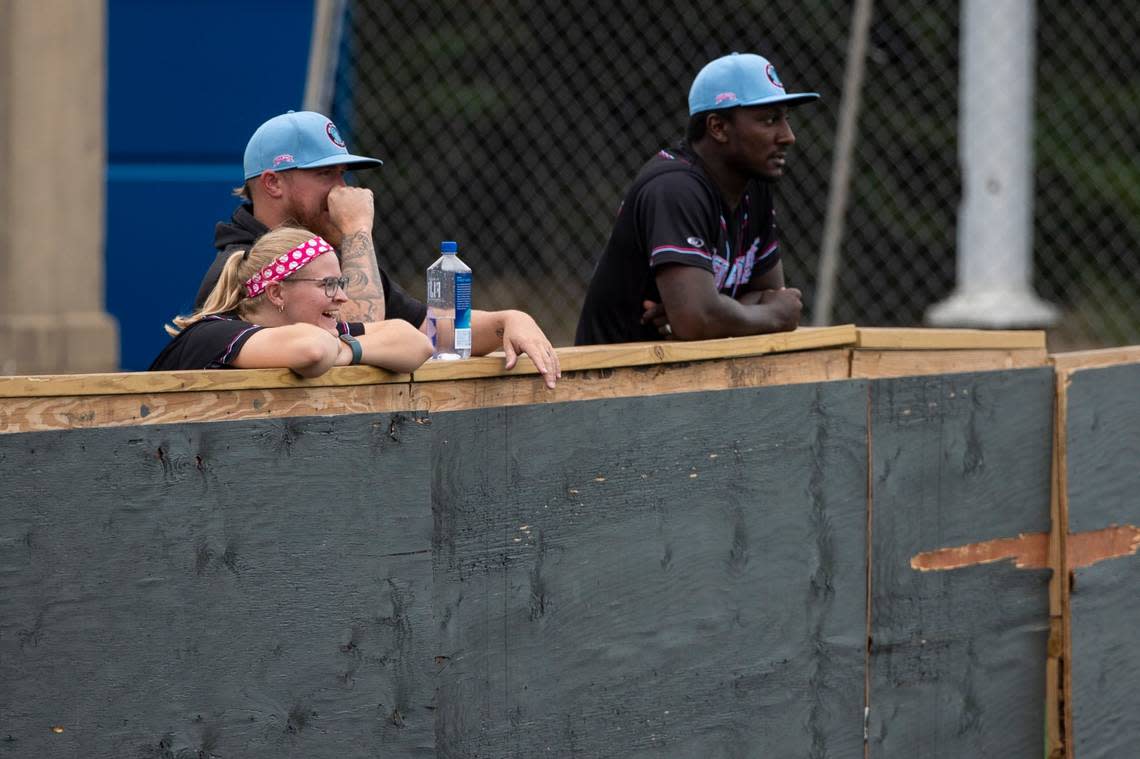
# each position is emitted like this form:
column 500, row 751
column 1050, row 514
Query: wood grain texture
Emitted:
column 47, row 413
column 1058, row 673
column 252, row 589
column 896, row 338
column 205, row 380
column 957, row 665
column 646, row 380
column 1102, row 471
column 1095, row 358
column 85, row 411
column 640, row 354
column 572, row 359
column 873, row 364
column 645, row 577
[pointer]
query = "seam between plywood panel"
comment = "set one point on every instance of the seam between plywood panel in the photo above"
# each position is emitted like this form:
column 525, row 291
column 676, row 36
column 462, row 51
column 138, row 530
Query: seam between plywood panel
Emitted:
column 1061, row 651
column 867, row 642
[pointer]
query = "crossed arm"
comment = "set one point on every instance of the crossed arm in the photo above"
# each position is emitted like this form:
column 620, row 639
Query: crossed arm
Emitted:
column 694, row 310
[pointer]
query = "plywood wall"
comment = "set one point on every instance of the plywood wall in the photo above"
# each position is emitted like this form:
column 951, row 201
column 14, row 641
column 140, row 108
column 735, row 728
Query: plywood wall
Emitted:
column 728, row 573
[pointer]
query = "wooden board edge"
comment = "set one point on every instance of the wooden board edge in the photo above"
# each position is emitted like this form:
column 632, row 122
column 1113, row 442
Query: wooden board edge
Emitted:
column 880, row 364
column 634, row 381
column 126, row 409
column 1096, row 358
column 589, row 357
column 916, row 338
column 1058, row 702
column 141, row 409
column 204, row 380
column 869, row 550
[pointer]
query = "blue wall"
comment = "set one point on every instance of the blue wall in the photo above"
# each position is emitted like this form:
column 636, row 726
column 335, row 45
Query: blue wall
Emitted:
column 187, row 83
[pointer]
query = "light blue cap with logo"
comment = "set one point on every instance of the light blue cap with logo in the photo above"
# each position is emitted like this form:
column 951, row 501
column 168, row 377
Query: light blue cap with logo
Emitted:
column 741, row 79
column 299, row 140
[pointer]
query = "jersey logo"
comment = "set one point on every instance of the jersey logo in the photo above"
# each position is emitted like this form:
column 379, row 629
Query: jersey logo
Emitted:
column 720, row 271
column 696, row 242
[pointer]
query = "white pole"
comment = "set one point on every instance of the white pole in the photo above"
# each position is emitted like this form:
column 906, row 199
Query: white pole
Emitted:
column 324, row 48
column 995, row 139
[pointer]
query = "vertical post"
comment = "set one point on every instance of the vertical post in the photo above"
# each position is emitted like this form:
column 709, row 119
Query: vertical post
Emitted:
column 995, row 144
column 841, row 167
column 52, row 154
column 324, row 49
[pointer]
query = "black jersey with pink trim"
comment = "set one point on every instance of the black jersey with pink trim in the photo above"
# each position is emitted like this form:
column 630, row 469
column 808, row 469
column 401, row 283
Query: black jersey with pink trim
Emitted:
column 213, row 342
column 673, row 213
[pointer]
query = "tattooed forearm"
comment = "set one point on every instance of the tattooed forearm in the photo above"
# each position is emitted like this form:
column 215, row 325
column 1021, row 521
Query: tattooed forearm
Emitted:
column 365, row 292
column 500, row 332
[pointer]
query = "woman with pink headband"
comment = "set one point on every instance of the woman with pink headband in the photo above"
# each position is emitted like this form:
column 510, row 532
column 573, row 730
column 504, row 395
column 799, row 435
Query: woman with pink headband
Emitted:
column 278, row 306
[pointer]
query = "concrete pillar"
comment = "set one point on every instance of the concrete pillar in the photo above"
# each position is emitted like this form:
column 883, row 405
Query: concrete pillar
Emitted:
column 52, row 156
column 995, row 145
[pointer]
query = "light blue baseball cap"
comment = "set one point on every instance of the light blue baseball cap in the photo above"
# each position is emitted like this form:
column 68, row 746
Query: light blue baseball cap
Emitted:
column 741, row 79
column 299, row 140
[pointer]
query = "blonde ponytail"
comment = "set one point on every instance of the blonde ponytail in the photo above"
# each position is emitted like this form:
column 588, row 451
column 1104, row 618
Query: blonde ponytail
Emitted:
column 229, row 292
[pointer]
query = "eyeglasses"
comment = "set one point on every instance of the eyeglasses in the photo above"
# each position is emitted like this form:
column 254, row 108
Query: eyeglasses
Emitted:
column 331, row 284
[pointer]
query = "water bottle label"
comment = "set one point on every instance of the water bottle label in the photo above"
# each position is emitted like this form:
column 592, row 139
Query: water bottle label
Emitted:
column 463, row 310
column 463, row 295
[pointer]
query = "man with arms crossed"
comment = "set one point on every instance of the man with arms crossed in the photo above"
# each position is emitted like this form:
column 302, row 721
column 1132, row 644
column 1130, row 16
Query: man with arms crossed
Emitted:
column 294, row 173
column 694, row 252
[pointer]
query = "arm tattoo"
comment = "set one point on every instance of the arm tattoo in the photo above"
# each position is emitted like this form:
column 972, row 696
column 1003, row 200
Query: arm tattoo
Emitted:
column 365, row 291
column 499, row 333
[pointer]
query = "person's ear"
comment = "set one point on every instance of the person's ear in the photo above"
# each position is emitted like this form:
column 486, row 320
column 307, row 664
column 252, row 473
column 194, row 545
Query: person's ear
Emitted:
column 716, row 127
column 271, row 183
column 275, row 294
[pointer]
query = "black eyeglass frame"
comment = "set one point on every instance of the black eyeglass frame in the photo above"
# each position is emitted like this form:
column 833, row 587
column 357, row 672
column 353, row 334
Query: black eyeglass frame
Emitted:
column 331, row 284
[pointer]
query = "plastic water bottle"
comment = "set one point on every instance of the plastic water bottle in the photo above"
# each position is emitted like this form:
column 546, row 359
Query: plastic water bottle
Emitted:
column 449, row 304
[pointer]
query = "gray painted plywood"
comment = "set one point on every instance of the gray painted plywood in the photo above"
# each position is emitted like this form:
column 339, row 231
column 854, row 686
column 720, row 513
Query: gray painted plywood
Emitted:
column 958, row 656
column 253, row 589
column 674, row 576
column 1103, row 467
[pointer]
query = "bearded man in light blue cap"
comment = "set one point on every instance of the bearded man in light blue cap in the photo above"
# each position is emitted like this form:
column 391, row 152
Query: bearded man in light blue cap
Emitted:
column 295, row 168
column 694, row 253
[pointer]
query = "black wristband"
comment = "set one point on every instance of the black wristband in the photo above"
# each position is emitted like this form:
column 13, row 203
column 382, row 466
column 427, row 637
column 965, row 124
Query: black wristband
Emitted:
column 352, row 342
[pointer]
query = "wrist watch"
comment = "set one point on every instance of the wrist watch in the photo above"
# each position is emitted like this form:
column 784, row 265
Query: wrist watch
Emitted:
column 353, row 343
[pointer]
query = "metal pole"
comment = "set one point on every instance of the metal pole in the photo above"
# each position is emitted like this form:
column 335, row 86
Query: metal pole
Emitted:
column 841, row 168
column 995, row 226
column 328, row 16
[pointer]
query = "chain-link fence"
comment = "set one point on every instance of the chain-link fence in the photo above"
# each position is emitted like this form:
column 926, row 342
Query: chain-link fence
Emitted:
column 514, row 127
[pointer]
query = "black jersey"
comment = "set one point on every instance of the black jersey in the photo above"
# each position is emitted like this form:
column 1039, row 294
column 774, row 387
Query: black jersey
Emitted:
column 213, row 342
column 673, row 213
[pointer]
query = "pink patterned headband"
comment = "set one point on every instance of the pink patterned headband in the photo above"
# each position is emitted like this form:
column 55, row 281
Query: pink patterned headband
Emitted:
column 285, row 264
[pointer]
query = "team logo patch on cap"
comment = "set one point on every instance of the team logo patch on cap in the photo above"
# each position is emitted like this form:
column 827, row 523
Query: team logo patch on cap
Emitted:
column 696, row 242
column 725, row 96
column 283, row 158
column 334, row 135
column 770, row 70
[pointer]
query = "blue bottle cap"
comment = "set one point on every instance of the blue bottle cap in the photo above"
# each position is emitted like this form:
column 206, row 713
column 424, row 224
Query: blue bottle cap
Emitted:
column 449, row 246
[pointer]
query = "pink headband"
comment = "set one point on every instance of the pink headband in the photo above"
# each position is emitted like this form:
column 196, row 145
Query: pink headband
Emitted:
column 285, row 264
